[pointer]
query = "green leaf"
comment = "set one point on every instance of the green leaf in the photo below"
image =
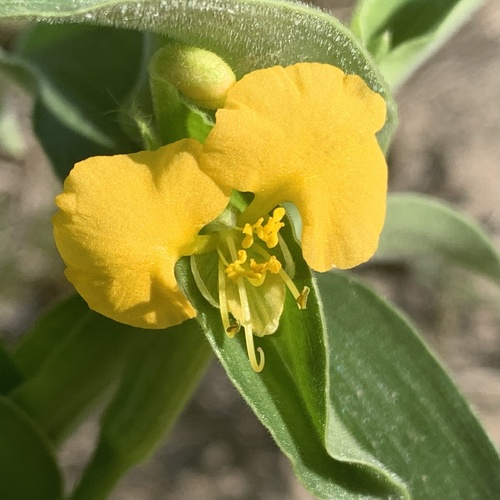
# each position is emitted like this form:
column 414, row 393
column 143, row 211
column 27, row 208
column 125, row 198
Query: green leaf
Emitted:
column 418, row 226
column 51, row 329
column 160, row 375
column 10, row 374
column 84, row 360
column 12, row 141
column 288, row 396
column 395, row 399
column 409, row 30
column 27, row 465
column 248, row 34
column 71, row 357
column 82, row 75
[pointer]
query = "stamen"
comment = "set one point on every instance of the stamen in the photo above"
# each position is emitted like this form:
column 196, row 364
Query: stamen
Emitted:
column 257, row 272
column 235, row 270
column 289, row 263
column 224, row 313
column 233, row 329
column 269, row 232
column 248, row 239
column 222, row 258
column 273, row 265
column 257, row 367
column 257, row 279
column 245, row 309
column 300, row 297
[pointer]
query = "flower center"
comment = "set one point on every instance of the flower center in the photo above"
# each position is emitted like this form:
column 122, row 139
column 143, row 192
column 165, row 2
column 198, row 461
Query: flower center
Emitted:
column 236, row 268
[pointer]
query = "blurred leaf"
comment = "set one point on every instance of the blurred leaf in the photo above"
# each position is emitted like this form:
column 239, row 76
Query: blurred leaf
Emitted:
column 81, row 76
column 10, row 374
column 418, row 226
column 248, row 34
column 78, row 369
column 28, row 470
column 288, row 396
column 159, row 376
column 410, row 31
column 12, row 141
column 397, row 402
column 51, row 329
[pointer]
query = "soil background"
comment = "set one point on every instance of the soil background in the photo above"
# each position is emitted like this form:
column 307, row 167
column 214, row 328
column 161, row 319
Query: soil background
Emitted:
column 447, row 145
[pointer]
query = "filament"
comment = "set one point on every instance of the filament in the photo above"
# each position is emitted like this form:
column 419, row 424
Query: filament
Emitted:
column 245, row 309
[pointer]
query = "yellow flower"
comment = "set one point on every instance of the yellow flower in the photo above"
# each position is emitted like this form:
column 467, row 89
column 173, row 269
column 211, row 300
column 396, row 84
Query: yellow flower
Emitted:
column 306, row 134
column 303, row 134
column 123, row 223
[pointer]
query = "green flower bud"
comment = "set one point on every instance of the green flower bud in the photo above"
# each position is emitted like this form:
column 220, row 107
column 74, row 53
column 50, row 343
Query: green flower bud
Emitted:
column 200, row 75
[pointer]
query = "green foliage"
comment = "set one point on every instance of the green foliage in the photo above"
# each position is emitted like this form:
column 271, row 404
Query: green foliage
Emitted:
column 348, row 391
column 10, row 374
column 419, row 227
column 242, row 32
column 49, row 330
column 84, row 354
column 28, row 469
column 401, row 34
column 73, row 357
column 289, row 394
column 160, row 374
column 81, row 76
column 396, row 401
column 373, row 434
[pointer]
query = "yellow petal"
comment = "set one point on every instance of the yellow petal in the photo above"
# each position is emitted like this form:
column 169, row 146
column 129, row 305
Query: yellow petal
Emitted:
column 306, row 134
column 123, row 223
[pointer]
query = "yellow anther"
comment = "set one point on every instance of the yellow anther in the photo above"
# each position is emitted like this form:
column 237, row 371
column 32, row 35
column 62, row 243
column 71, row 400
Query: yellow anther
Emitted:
column 235, row 270
column 242, row 257
column 273, row 265
column 255, row 272
column 269, row 232
column 248, row 231
column 279, row 213
column 248, row 239
column 258, row 268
